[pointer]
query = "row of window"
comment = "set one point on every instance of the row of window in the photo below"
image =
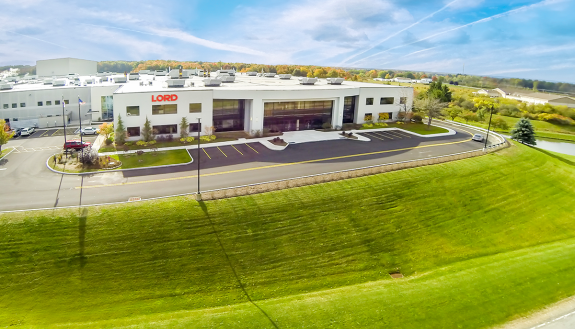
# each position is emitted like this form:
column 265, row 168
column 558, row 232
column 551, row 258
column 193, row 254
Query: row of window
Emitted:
column 386, row 100
column 47, row 103
column 163, row 129
column 380, row 116
column 164, row 109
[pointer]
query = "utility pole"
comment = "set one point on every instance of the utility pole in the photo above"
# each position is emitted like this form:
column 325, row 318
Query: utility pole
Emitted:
column 199, row 197
column 489, row 126
column 64, row 122
column 80, row 118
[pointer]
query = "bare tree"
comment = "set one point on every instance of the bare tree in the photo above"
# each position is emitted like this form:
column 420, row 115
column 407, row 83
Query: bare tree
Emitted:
column 431, row 107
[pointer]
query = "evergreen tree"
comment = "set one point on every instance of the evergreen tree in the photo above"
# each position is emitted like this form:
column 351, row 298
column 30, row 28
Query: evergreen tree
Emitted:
column 184, row 127
column 120, row 132
column 147, row 132
column 523, row 132
column 439, row 91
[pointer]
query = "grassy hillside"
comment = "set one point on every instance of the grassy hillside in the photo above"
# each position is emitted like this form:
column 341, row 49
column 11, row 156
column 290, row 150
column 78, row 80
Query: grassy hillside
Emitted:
column 473, row 238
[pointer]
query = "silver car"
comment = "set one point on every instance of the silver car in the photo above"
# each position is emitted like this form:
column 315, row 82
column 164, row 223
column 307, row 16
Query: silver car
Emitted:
column 27, row 131
column 89, row 131
column 478, row 138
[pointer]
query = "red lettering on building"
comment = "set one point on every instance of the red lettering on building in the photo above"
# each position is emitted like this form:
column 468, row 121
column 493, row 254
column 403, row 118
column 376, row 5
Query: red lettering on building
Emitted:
column 165, row 98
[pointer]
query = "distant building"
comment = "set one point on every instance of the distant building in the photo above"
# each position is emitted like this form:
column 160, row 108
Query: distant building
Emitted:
column 65, row 66
column 401, row 79
column 532, row 98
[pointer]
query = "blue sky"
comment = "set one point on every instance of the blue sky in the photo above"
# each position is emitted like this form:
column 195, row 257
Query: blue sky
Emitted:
column 514, row 38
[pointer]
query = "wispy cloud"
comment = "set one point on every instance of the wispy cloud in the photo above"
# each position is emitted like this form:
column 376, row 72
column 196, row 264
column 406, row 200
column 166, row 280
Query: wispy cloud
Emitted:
column 30, row 37
column 398, row 32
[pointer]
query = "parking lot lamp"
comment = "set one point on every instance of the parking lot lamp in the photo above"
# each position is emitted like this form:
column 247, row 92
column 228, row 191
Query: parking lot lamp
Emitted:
column 488, row 127
column 64, row 120
column 80, row 118
column 199, row 140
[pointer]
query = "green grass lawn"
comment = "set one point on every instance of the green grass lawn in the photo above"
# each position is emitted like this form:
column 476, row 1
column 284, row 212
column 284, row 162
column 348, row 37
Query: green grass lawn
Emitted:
column 479, row 240
column 542, row 129
column 419, row 128
column 5, row 151
column 131, row 161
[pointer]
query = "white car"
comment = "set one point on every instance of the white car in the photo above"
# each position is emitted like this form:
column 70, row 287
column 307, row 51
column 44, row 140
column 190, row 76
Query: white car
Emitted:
column 478, row 138
column 27, row 131
column 89, row 131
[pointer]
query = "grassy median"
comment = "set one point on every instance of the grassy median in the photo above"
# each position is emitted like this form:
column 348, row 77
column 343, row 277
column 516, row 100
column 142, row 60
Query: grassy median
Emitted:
column 479, row 241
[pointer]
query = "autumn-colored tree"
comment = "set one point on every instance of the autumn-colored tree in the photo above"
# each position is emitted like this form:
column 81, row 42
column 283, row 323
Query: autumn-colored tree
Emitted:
column 106, row 129
column 372, row 74
column 387, row 76
column 309, row 74
column 5, row 134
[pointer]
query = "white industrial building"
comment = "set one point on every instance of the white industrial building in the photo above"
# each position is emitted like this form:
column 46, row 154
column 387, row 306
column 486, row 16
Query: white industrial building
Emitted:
column 225, row 102
column 65, row 66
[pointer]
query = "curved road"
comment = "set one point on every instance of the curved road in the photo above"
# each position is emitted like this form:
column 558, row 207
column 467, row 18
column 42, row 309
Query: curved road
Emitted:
column 33, row 186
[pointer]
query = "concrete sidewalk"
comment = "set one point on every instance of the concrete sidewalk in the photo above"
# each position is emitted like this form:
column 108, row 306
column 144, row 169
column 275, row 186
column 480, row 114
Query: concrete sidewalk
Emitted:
column 291, row 137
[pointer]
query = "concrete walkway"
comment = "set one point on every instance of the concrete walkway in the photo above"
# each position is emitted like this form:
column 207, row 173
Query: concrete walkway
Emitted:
column 291, row 137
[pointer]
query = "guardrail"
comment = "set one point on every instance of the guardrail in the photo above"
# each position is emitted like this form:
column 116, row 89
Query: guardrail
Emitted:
column 502, row 140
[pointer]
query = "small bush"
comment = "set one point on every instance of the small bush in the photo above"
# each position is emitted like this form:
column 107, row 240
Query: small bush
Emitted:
column 417, row 118
column 128, row 144
column 190, row 139
column 500, row 123
column 152, row 142
column 141, row 143
column 108, row 141
column 213, row 137
column 367, row 125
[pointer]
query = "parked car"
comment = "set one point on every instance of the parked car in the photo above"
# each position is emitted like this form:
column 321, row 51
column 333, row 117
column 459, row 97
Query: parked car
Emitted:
column 89, row 131
column 17, row 132
column 478, row 138
column 27, row 131
column 75, row 145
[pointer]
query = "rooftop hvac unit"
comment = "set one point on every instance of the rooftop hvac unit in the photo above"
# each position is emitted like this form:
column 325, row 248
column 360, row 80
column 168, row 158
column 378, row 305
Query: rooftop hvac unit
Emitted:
column 211, row 82
column 226, row 72
column 285, row 76
column 119, row 79
column 174, row 83
column 252, row 74
column 175, row 74
column 48, row 81
column 134, row 76
column 307, row 81
column 89, row 81
column 144, row 72
column 59, row 82
column 227, row 78
column 160, row 73
column 5, row 87
column 269, row 75
column 335, row 81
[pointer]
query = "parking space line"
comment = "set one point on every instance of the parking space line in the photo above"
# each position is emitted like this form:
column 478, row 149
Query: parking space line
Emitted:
column 375, row 136
column 399, row 133
column 206, row 153
column 55, row 132
column 222, row 151
column 44, row 133
column 386, row 136
column 271, row 166
column 237, row 150
column 252, row 148
column 381, row 135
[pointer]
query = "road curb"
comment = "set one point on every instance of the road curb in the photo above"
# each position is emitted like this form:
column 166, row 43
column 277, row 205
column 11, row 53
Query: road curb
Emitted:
column 114, row 170
column 5, row 155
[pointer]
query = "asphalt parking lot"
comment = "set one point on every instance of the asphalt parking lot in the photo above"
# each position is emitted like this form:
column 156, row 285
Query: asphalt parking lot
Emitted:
column 50, row 133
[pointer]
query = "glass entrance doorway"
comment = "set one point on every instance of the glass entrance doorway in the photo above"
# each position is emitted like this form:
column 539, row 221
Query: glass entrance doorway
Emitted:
column 299, row 115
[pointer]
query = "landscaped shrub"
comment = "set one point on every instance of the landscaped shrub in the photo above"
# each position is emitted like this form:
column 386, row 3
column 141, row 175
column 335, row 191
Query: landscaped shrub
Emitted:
column 367, row 125
column 500, row 123
column 555, row 118
column 152, row 142
column 141, row 143
column 417, row 118
column 213, row 137
column 108, row 141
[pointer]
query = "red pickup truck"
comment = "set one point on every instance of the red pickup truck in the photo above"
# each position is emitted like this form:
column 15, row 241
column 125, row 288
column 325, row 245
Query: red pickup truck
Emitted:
column 75, row 144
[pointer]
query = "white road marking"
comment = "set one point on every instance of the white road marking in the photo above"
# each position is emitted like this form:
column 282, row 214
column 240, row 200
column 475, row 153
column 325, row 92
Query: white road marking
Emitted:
column 559, row 318
column 3, row 169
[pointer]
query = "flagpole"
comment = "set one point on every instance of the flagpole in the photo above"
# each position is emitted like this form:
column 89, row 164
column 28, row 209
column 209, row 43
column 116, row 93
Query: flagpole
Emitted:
column 80, row 117
column 64, row 121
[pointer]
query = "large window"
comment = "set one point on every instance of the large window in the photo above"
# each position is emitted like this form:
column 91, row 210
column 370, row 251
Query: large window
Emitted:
column 22, row 104
column 348, row 109
column 228, row 114
column 282, row 109
column 369, row 101
column 386, row 100
column 40, row 104
column 48, row 103
column 14, row 105
column 402, row 100
column 227, row 106
column 133, row 131
column 132, row 110
column 57, row 102
column 165, row 109
column 66, row 102
column 385, row 116
column 5, row 106
column 107, row 107
column 367, row 117
column 195, row 107
column 165, row 129
column 195, row 127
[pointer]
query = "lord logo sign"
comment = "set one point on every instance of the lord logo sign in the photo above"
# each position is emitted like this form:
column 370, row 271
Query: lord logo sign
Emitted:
column 165, row 98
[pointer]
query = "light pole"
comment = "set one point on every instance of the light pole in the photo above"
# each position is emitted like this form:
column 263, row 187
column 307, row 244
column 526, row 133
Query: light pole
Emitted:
column 80, row 118
column 488, row 127
column 199, row 140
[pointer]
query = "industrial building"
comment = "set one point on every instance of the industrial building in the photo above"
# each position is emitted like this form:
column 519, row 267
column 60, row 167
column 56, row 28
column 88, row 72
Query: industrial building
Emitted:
column 226, row 102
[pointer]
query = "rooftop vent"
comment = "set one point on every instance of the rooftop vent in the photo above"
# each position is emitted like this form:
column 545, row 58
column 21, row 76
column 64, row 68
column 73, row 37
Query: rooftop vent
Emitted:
column 210, row 82
column 226, row 72
column 119, row 79
column 59, row 82
column 144, row 72
column 252, row 74
column 89, row 81
column 285, row 76
column 5, row 87
column 307, row 81
column 174, row 83
column 134, row 76
column 160, row 73
column 175, row 74
column 335, row 81
column 269, row 75
column 227, row 78
column 47, row 81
